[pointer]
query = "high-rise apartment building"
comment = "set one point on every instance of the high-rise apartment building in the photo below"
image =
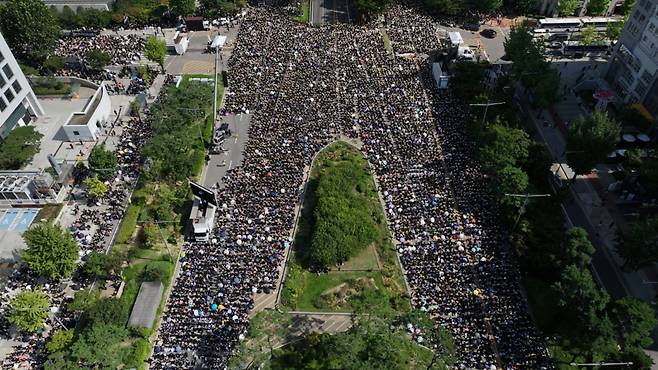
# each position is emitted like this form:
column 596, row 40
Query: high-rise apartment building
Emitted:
column 18, row 104
column 633, row 71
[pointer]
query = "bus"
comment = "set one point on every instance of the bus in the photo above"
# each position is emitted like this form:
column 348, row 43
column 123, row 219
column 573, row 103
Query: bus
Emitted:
column 600, row 23
column 576, row 47
column 564, row 24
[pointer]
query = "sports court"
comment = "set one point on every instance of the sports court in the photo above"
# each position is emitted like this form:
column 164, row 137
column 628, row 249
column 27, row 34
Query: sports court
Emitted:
column 17, row 219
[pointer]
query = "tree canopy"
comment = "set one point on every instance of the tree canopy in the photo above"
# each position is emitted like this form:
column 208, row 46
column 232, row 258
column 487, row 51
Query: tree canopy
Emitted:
column 597, row 7
column 51, row 252
column 19, row 147
column 95, row 188
column 28, row 310
column 183, row 7
column 568, row 7
column 639, row 247
column 103, row 162
column 589, row 141
column 576, row 249
column 530, row 67
column 344, row 222
column 29, row 28
column 155, row 50
column 97, row 58
column 502, row 146
column 376, row 343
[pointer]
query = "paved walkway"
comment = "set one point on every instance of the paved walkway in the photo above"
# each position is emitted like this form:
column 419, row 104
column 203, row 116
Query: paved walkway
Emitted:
column 592, row 207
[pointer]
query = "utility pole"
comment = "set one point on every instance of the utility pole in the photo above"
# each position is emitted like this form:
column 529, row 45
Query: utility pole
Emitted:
column 214, row 102
column 486, row 108
column 525, row 201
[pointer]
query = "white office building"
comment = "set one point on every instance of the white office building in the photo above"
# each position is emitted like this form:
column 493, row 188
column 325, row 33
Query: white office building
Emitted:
column 18, row 104
column 633, row 71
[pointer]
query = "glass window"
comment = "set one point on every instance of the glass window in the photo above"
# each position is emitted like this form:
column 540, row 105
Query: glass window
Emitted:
column 2, row 57
column 3, row 105
column 8, row 71
column 2, row 81
column 9, row 95
column 17, row 87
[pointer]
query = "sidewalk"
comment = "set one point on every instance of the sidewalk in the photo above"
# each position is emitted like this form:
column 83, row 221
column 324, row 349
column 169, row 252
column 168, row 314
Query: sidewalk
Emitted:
column 592, row 208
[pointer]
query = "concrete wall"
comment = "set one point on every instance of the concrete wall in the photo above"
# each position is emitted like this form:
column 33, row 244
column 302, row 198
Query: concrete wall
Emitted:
column 94, row 116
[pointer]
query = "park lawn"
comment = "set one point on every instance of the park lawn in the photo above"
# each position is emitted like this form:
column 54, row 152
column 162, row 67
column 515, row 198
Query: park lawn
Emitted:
column 315, row 284
column 365, row 260
column 306, row 12
column 303, row 288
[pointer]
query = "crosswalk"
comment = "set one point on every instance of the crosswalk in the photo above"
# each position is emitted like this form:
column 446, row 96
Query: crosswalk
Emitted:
column 197, row 66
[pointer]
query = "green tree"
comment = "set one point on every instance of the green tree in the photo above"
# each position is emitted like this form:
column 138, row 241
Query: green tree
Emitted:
column 589, row 35
column 368, row 8
column 96, row 264
column 502, row 147
column 589, row 141
column 97, row 58
column 511, row 180
column 467, row 81
column 634, row 320
column 60, row 361
column 597, row 7
column 100, row 346
column 447, row 7
column 639, row 247
column 28, row 310
column 613, row 30
column 182, row 7
column 526, row 6
column 579, row 294
column 568, row 7
column 51, row 252
column 60, row 340
column 83, row 300
column 67, row 17
column 627, row 7
column 96, row 189
column 29, row 28
column 151, row 236
column 489, row 6
column 638, row 357
column 18, row 148
column 576, row 249
column 103, row 162
column 53, row 64
column 155, row 50
column 527, row 55
column 546, row 92
column 649, row 174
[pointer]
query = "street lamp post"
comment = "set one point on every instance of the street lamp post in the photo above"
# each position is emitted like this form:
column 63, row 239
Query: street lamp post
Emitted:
column 592, row 364
column 486, row 108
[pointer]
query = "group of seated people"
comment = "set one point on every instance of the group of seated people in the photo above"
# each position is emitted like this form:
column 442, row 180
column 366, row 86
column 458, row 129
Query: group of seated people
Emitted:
column 306, row 87
column 92, row 228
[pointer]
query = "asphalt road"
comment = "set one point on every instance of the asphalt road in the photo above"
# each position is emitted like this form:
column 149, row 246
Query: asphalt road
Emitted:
column 220, row 163
column 331, row 11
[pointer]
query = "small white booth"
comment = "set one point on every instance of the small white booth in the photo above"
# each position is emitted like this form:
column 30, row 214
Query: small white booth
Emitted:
column 86, row 125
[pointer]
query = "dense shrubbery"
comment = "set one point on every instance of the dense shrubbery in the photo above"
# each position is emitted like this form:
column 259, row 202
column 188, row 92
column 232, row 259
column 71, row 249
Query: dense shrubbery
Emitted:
column 344, row 218
column 177, row 121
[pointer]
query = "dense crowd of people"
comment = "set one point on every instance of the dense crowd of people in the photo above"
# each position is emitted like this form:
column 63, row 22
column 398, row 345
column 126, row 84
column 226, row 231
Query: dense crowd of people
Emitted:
column 306, row 87
column 92, row 229
column 123, row 49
